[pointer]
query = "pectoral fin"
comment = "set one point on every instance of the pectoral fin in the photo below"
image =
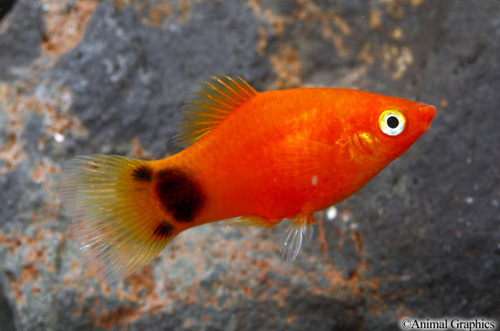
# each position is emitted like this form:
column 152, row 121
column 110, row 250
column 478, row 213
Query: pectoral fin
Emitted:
column 301, row 157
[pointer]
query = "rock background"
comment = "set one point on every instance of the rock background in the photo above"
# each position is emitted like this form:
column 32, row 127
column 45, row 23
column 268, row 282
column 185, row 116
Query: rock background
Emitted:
column 422, row 239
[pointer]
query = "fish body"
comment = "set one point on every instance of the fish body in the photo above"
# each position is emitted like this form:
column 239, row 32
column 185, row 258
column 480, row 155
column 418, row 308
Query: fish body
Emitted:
column 295, row 151
column 255, row 158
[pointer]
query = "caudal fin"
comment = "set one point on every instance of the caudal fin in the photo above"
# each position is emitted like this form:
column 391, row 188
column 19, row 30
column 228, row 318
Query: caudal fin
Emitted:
column 116, row 220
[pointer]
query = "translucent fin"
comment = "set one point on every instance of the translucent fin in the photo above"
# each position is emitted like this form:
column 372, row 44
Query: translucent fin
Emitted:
column 300, row 157
column 110, row 200
column 215, row 99
column 250, row 221
column 298, row 231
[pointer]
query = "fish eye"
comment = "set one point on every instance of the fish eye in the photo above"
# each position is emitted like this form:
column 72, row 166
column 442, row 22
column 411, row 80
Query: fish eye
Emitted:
column 392, row 122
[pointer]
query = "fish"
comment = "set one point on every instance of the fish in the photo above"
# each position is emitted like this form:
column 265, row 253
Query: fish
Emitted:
column 250, row 158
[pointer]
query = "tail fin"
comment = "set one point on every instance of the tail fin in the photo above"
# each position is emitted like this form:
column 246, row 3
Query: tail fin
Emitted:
column 118, row 224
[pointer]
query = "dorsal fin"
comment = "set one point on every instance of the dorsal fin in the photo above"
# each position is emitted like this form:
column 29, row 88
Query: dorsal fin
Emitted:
column 216, row 98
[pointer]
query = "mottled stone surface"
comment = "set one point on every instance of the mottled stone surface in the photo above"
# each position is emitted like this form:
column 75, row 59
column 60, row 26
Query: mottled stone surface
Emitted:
column 422, row 239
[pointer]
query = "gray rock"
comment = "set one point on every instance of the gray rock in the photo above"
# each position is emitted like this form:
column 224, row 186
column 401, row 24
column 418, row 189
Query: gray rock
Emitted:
column 6, row 315
column 20, row 43
column 5, row 7
column 148, row 73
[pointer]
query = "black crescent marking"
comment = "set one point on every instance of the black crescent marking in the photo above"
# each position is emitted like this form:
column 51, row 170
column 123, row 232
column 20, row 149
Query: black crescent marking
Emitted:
column 179, row 194
column 164, row 230
column 143, row 173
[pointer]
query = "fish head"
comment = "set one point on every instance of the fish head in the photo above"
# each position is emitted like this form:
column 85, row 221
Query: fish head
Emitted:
column 388, row 126
column 400, row 123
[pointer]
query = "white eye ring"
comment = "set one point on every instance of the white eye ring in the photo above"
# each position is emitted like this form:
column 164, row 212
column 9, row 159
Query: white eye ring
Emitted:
column 392, row 122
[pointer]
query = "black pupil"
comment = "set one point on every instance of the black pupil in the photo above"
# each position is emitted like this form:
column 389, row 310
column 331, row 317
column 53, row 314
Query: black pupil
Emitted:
column 393, row 122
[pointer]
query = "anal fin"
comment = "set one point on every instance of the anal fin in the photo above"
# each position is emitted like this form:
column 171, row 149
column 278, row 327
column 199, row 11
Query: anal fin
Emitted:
column 298, row 231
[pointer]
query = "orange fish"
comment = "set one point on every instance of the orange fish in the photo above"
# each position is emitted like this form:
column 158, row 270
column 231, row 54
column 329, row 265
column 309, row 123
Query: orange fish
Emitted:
column 254, row 158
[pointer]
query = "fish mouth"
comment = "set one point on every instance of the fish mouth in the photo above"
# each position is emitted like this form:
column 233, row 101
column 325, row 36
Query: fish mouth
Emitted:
column 427, row 113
